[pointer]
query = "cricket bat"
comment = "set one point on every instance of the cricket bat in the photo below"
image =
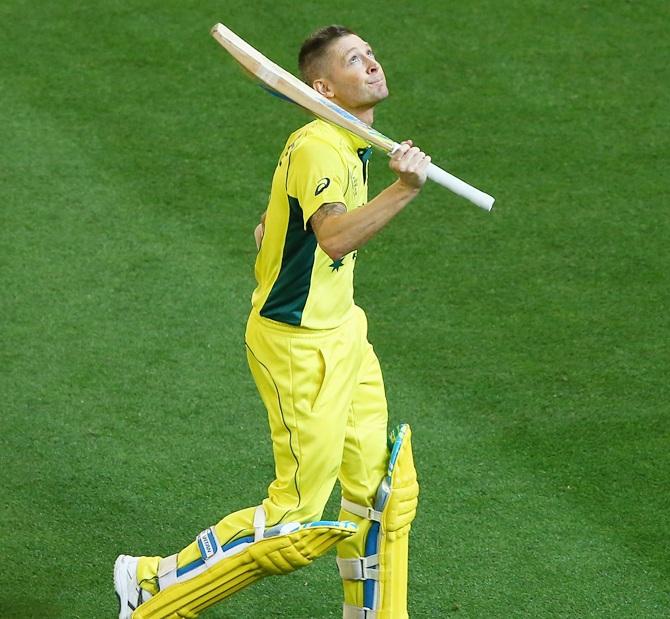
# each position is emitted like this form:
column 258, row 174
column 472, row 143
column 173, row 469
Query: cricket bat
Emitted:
column 285, row 85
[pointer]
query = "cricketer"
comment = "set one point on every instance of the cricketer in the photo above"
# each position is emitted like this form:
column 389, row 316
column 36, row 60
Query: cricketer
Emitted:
column 317, row 374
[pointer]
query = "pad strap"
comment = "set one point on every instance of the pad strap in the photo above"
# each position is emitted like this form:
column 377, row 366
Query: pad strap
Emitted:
column 361, row 510
column 259, row 523
column 211, row 553
column 210, row 549
column 167, row 572
column 354, row 612
column 360, row 568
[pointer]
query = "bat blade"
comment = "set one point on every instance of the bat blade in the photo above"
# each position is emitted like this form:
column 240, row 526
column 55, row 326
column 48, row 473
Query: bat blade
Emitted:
column 286, row 85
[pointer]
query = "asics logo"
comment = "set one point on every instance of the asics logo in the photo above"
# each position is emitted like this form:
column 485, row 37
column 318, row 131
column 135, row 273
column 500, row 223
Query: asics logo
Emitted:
column 321, row 185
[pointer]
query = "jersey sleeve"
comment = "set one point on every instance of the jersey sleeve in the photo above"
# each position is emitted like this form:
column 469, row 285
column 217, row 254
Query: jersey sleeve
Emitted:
column 317, row 175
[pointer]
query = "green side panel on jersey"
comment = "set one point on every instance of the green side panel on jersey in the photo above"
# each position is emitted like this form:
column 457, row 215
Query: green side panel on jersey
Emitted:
column 288, row 296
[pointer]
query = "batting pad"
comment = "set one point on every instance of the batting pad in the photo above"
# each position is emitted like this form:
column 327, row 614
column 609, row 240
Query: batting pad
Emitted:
column 382, row 572
column 225, row 570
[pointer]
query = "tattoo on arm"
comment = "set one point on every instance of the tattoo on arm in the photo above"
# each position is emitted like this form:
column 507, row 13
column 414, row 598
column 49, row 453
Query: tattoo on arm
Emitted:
column 324, row 211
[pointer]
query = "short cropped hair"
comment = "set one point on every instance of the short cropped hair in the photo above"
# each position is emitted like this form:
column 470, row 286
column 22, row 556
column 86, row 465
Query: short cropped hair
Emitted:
column 314, row 50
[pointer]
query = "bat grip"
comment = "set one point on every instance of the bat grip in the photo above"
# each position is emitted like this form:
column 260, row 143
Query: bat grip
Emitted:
column 456, row 185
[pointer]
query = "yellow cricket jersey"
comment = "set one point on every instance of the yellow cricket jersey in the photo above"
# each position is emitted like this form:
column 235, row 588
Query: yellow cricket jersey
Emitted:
column 298, row 284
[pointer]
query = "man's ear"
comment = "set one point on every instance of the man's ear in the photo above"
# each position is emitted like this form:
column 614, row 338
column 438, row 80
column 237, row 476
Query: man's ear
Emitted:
column 323, row 88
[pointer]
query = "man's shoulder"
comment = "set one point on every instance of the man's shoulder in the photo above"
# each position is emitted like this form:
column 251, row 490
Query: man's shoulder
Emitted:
column 316, row 135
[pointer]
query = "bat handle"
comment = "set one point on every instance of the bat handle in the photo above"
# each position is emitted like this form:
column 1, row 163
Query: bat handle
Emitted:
column 455, row 184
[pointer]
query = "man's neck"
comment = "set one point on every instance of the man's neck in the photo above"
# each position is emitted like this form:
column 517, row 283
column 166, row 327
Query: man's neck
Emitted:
column 366, row 115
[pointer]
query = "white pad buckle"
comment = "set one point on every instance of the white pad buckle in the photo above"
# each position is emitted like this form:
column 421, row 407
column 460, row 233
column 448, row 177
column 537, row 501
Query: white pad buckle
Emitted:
column 359, row 568
column 363, row 511
column 354, row 612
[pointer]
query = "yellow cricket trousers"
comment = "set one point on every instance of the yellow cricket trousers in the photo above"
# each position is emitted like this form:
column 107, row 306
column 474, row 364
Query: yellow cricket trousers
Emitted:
column 326, row 405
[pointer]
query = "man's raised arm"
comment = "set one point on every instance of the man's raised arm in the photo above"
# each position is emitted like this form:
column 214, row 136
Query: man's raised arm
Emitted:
column 339, row 231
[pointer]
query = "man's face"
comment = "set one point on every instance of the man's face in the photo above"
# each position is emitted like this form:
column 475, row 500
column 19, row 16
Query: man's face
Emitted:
column 355, row 79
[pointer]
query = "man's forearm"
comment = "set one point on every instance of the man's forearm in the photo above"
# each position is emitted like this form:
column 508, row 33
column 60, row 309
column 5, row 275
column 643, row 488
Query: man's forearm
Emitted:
column 345, row 232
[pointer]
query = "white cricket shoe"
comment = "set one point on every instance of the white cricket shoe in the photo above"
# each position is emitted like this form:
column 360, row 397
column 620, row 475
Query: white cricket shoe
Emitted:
column 128, row 590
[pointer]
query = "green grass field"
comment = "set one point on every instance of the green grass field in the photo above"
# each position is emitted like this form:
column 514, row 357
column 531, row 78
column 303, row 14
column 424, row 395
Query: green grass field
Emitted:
column 528, row 348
